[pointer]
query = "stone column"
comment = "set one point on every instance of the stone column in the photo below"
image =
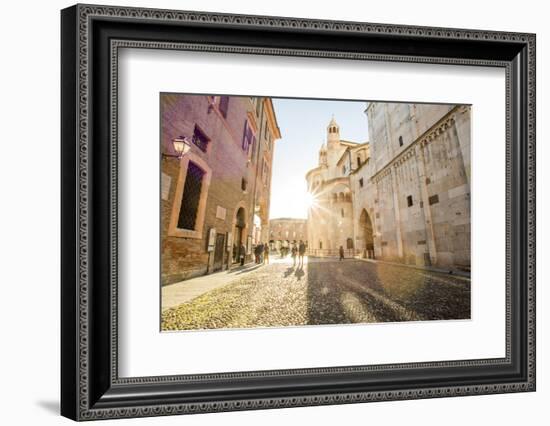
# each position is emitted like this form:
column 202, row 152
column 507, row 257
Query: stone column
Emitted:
column 389, row 135
column 428, row 224
column 376, row 234
column 396, row 212
column 462, row 130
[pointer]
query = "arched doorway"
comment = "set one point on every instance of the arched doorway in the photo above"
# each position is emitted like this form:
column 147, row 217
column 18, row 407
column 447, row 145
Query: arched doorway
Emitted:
column 365, row 228
column 240, row 225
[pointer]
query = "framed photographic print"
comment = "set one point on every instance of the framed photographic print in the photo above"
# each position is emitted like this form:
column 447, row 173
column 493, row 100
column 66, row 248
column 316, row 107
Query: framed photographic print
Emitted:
column 263, row 212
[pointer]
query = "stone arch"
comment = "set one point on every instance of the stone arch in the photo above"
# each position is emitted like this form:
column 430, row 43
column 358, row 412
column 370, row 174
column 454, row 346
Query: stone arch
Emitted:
column 366, row 232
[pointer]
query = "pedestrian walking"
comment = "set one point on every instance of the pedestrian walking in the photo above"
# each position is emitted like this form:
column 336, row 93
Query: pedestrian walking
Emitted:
column 258, row 250
column 341, row 252
column 242, row 253
column 293, row 254
column 266, row 253
column 301, row 252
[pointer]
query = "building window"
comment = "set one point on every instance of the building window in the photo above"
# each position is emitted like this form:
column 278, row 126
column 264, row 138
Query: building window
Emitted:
column 400, row 140
column 191, row 196
column 224, row 105
column 361, row 182
column 248, row 138
column 342, row 212
column 409, row 200
column 243, row 184
column 434, row 199
column 358, row 162
column 320, row 245
column 200, row 139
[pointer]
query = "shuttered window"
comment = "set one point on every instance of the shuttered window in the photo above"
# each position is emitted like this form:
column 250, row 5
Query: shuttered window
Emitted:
column 224, row 105
column 200, row 139
column 248, row 139
column 191, row 197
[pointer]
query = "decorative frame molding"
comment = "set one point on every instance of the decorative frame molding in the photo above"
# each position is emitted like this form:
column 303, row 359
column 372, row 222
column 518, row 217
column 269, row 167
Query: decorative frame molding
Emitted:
column 91, row 37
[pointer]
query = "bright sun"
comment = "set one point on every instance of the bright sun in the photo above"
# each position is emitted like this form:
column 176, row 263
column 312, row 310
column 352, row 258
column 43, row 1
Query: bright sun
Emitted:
column 310, row 200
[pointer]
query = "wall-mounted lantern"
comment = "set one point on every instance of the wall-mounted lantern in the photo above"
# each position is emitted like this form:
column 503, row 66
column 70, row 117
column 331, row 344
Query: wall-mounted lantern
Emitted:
column 181, row 147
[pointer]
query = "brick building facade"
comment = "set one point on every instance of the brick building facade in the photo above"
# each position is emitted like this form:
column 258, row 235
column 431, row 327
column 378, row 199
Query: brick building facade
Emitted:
column 216, row 196
column 283, row 232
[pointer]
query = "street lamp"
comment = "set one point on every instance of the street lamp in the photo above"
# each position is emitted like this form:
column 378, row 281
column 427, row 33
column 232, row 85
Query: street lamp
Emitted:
column 181, row 147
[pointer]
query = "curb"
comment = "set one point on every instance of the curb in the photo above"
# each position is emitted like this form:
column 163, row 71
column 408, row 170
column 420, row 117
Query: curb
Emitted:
column 452, row 272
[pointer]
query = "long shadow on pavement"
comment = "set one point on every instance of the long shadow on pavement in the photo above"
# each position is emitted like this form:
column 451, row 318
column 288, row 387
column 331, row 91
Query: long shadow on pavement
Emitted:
column 354, row 291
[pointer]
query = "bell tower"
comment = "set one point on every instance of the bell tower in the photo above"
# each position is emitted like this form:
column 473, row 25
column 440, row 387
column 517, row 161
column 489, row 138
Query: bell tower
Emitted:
column 333, row 133
column 323, row 155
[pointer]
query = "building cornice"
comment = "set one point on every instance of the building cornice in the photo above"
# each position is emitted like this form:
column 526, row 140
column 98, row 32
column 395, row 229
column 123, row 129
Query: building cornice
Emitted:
column 272, row 119
column 428, row 136
column 315, row 169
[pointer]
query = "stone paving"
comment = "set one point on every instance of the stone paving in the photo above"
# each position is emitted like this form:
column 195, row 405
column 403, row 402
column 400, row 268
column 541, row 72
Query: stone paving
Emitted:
column 324, row 291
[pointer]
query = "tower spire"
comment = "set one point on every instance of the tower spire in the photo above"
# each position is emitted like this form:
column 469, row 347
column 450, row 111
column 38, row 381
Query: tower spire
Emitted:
column 333, row 131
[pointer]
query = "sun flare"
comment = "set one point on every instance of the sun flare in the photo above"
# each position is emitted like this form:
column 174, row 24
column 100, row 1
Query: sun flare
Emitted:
column 310, row 200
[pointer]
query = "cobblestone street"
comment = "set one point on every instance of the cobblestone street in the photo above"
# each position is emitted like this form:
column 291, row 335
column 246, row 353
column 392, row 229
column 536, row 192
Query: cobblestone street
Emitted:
column 324, row 291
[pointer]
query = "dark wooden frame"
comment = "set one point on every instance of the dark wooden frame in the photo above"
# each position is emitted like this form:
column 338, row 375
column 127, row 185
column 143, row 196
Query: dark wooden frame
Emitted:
column 90, row 386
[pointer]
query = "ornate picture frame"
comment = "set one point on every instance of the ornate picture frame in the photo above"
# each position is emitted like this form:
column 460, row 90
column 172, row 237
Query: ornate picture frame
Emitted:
column 91, row 37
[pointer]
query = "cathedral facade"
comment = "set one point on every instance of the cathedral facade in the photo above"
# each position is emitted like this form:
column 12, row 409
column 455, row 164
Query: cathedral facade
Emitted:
column 330, row 218
column 405, row 195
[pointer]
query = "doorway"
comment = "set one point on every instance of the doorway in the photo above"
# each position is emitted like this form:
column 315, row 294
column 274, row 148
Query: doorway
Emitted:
column 365, row 226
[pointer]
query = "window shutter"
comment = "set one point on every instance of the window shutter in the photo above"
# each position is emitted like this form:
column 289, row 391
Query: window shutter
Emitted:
column 245, row 136
column 224, row 104
column 191, row 196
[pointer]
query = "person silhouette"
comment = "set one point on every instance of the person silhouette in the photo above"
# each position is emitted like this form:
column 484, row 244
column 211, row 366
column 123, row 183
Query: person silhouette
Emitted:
column 301, row 252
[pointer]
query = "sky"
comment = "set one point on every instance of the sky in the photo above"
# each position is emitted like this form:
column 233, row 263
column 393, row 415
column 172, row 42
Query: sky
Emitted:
column 303, row 124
